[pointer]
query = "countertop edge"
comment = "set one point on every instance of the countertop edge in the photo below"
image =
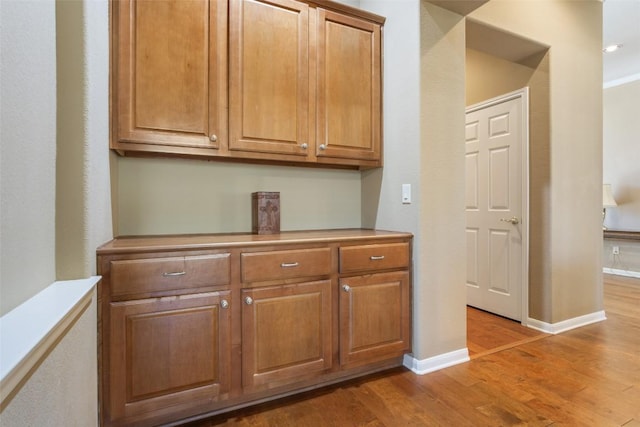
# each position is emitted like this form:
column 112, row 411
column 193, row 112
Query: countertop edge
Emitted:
column 186, row 242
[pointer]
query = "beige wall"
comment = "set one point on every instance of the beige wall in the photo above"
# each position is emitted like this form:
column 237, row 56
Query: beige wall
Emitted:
column 168, row 196
column 55, row 206
column 424, row 113
column 573, row 286
column 28, row 150
column 488, row 76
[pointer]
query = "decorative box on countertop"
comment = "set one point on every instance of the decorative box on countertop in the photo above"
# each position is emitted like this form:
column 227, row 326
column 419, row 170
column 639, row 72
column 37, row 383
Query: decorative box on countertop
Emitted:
column 265, row 212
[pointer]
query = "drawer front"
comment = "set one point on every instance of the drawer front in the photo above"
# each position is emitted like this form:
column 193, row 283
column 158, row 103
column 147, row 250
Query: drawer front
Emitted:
column 169, row 274
column 374, row 257
column 264, row 266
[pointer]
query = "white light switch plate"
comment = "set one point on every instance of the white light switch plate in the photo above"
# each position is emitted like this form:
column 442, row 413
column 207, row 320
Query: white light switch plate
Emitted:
column 406, row 194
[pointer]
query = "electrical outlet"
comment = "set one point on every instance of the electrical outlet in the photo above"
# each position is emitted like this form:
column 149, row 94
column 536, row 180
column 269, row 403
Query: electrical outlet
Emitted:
column 615, row 250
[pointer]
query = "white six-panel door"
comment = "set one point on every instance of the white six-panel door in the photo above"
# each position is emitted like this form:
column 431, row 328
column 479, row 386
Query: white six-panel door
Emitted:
column 495, row 140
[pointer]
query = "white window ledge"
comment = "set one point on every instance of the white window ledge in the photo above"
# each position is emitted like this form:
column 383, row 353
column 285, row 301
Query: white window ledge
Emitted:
column 28, row 332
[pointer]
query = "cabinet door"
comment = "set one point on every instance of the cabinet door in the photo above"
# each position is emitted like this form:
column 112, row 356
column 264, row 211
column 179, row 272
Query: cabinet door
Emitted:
column 171, row 73
column 349, row 87
column 168, row 355
column 269, row 77
column 374, row 317
column 286, row 333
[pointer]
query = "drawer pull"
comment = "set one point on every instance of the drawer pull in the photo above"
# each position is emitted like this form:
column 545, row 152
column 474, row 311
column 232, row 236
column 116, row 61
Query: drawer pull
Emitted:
column 176, row 273
column 346, row 288
column 376, row 258
column 289, row 264
column 248, row 300
column 224, row 303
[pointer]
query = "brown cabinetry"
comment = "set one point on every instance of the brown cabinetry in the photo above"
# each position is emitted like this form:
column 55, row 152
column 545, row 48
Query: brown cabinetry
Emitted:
column 374, row 302
column 269, row 77
column 201, row 324
column 169, row 76
column 168, row 354
column 348, row 89
column 286, row 333
column 374, row 317
column 304, row 82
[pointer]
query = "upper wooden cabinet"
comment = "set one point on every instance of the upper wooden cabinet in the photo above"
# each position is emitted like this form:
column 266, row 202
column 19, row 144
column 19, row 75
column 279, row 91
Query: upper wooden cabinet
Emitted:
column 269, row 77
column 169, row 76
column 303, row 84
column 348, row 89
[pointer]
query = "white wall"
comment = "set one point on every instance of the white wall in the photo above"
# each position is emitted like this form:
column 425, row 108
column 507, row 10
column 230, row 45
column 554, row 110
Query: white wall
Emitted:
column 621, row 154
column 621, row 169
column 63, row 390
column 28, row 150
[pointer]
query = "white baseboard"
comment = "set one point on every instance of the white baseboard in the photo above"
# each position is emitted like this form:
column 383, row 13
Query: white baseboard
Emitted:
column 566, row 325
column 435, row 363
column 617, row 272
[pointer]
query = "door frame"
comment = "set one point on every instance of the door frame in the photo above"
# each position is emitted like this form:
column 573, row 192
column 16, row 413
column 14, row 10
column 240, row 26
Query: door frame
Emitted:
column 523, row 94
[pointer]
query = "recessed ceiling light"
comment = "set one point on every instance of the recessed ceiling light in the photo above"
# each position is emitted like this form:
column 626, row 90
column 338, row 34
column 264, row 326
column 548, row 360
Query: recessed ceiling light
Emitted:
column 611, row 48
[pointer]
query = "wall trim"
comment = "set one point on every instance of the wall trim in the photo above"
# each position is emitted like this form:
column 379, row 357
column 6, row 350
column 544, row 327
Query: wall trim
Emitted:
column 621, row 81
column 436, row 363
column 617, row 272
column 566, row 325
column 30, row 331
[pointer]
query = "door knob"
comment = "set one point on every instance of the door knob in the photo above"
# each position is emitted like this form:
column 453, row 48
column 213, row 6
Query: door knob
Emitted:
column 513, row 220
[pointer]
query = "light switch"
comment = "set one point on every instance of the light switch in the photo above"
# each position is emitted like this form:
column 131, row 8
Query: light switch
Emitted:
column 406, row 194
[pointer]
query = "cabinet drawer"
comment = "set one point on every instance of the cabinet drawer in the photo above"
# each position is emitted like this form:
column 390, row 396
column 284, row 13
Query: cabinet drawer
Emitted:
column 263, row 266
column 374, row 257
column 169, row 274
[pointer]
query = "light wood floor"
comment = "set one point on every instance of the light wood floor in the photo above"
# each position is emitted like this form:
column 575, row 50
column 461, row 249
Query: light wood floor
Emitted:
column 589, row 376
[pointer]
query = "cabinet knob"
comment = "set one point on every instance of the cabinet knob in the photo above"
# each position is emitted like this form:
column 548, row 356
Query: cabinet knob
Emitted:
column 304, row 145
column 346, row 288
column 213, row 138
column 248, row 300
column 224, row 303
column 323, row 146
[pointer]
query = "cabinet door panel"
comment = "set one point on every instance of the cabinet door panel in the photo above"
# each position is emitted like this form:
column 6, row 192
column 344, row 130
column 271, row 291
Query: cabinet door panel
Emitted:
column 286, row 333
column 171, row 79
column 172, row 351
column 349, row 87
column 269, row 77
column 374, row 317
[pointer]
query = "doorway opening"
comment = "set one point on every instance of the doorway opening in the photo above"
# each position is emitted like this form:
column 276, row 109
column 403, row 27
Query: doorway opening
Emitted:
column 499, row 63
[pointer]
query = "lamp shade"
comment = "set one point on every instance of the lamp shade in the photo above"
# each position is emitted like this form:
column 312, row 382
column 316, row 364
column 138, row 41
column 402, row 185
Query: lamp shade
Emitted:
column 607, row 196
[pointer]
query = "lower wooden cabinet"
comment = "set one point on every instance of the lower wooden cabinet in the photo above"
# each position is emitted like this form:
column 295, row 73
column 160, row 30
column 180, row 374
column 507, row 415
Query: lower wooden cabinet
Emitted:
column 374, row 317
column 191, row 326
column 168, row 354
column 286, row 333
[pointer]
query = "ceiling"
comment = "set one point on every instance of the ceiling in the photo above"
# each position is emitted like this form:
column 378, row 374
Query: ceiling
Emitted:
column 621, row 25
